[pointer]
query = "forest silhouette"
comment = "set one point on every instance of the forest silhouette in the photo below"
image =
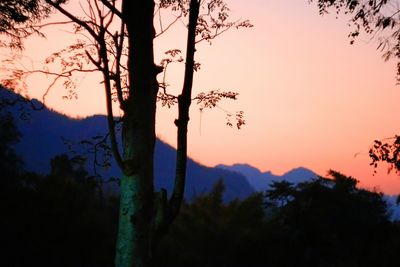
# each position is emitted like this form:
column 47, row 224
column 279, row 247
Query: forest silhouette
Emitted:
column 65, row 218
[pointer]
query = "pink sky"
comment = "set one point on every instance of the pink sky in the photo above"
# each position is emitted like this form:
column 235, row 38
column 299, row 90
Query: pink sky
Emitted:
column 310, row 99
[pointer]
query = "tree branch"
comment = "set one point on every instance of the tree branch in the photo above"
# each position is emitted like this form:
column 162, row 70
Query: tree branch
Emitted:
column 169, row 25
column 73, row 18
column 119, row 44
column 112, row 8
column 184, row 101
column 107, row 86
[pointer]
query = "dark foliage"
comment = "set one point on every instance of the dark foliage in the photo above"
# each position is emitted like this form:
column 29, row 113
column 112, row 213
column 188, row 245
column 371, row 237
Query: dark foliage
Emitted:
column 64, row 219
column 331, row 222
column 10, row 163
column 210, row 233
column 57, row 220
column 324, row 222
column 388, row 151
column 17, row 18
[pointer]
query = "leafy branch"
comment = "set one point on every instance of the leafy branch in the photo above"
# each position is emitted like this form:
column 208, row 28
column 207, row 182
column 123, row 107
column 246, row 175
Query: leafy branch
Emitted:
column 386, row 150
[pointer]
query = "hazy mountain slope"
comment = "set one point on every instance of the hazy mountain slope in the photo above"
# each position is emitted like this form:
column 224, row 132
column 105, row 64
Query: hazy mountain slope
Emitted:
column 44, row 134
column 260, row 181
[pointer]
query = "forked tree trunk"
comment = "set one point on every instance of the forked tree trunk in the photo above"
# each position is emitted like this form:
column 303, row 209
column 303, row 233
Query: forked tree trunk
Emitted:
column 145, row 216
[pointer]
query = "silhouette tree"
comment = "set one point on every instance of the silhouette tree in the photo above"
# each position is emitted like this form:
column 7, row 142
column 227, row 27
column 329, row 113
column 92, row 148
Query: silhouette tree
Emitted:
column 16, row 13
column 57, row 220
column 120, row 47
column 331, row 222
column 68, row 199
column 209, row 232
column 10, row 163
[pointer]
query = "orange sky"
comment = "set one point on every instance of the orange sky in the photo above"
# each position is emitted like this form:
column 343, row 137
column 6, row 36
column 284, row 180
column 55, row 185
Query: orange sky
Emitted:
column 310, row 99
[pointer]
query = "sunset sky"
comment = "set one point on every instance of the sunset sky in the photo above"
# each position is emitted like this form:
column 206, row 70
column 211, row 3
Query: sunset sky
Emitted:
column 310, row 98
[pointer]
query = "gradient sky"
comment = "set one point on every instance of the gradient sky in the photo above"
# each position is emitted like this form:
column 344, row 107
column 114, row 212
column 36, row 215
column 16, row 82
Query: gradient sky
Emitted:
column 310, row 98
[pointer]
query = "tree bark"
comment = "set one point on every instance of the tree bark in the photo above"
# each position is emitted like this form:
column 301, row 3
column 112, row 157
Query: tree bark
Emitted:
column 138, row 140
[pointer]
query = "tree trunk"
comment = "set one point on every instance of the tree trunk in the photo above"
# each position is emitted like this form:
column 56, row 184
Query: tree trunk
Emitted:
column 138, row 138
column 184, row 101
column 144, row 215
column 136, row 206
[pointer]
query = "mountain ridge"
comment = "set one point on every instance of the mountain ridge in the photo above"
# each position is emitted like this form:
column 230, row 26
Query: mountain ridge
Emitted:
column 41, row 131
column 261, row 181
column 47, row 133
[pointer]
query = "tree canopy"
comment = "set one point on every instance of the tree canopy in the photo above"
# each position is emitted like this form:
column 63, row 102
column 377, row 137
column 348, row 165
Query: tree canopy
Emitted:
column 331, row 222
column 17, row 18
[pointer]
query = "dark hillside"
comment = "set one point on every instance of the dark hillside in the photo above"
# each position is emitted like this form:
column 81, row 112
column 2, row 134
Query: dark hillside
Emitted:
column 45, row 134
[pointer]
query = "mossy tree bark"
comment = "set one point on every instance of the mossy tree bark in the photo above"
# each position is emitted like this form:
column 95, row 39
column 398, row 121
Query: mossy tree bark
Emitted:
column 138, row 137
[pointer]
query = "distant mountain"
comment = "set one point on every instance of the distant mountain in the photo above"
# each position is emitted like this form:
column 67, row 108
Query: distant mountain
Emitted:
column 46, row 133
column 261, row 181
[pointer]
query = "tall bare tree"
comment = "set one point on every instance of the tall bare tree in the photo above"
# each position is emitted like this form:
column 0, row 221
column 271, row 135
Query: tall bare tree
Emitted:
column 119, row 43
